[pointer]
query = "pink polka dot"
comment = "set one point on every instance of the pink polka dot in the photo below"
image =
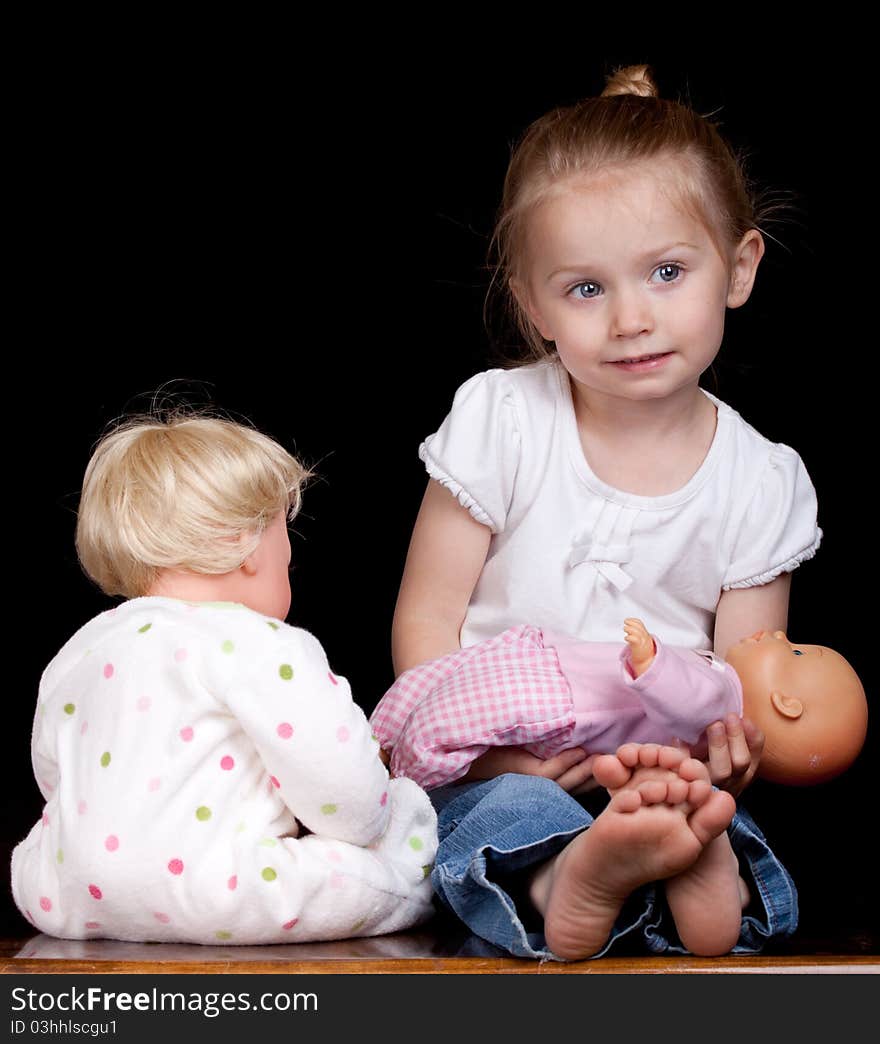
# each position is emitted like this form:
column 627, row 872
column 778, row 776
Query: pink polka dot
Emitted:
column 95, row 892
column 83, row 728
column 332, row 679
column 342, row 734
column 112, row 843
column 232, row 883
column 108, row 670
column 154, row 784
column 187, row 733
column 180, row 655
column 290, row 924
column 176, row 866
column 144, row 703
column 337, row 880
column 162, row 918
column 45, row 903
column 334, row 857
column 82, row 807
column 383, row 801
column 45, row 819
column 93, row 926
column 227, row 763
column 285, row 730
column 274, row 782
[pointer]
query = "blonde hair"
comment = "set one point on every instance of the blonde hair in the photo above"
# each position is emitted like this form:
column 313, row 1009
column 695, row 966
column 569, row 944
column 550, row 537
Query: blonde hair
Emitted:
column 179, row 491
column 628, row 122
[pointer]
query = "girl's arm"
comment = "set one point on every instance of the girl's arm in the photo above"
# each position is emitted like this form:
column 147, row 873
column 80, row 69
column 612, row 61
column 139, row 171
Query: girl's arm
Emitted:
column 744, row 611
column 446, row 556
column 736, row 744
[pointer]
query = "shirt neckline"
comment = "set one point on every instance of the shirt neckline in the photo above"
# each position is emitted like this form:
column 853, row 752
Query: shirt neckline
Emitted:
column 635, row 500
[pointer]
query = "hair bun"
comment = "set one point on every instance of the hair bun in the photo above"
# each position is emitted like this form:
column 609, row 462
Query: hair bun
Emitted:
column 633, row 79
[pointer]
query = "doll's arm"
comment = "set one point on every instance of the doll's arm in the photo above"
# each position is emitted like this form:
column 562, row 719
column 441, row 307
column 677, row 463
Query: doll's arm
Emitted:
column 446, row 555
column 313, row 740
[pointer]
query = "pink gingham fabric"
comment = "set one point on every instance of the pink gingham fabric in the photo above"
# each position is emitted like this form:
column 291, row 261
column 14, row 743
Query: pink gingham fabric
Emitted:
column 454, row 708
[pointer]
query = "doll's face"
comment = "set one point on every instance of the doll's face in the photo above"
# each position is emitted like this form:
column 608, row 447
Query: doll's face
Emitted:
column 268, row 588
column 808, row 702
column 768, row 661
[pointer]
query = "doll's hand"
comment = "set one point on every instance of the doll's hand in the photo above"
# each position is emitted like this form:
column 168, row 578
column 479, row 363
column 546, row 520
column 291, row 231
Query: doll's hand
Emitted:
column 572, row 769
column 735, row 748
column 641, row 645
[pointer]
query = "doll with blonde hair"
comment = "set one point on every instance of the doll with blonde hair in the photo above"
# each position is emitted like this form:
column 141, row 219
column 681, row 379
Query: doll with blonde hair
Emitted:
column 594, row 482
column 207, row 777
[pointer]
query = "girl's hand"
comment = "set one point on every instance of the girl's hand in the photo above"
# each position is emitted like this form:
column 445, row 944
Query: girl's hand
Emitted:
column 572, row 769
column 735, row 746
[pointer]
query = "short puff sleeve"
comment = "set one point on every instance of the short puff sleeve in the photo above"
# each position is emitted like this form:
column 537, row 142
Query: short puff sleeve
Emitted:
column 778, row 530
column 475, row 452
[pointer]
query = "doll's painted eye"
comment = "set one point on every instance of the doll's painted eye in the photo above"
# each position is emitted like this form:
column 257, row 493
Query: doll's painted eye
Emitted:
column 797, row 652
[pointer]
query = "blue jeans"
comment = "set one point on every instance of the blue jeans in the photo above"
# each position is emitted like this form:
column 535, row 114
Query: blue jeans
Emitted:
column 492, row 831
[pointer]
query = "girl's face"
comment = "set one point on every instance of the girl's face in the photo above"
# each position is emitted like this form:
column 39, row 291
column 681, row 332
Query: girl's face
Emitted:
column 630, row 287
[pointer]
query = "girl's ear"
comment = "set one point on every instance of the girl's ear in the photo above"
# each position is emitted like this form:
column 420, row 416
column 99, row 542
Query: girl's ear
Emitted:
column 746, row 258
column 524, row 300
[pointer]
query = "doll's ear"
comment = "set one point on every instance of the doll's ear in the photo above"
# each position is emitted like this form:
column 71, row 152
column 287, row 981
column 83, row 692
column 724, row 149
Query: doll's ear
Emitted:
column 787, row 706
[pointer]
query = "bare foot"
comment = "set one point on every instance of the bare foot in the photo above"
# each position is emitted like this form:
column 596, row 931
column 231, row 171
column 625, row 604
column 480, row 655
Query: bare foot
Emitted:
column 662, row 815
column 706, row 900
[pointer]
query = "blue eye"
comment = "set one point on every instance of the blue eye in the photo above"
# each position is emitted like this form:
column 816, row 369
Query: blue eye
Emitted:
column 587, row 291
column 797, row 652
column 668, row 273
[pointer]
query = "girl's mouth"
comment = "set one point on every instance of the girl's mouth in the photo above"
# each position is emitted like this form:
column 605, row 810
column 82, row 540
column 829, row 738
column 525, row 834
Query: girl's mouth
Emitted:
column 641, row 363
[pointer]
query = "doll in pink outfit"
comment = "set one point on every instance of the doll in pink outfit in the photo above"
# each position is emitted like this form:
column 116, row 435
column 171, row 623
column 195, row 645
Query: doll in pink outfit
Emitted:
column 548, row 693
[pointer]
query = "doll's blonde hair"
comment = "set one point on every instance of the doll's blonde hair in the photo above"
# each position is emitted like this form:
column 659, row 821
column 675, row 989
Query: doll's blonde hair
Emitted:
column 182, row 490
column 628, row 122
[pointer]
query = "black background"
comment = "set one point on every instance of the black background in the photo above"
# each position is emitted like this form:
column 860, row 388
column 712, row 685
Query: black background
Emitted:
column 308, row 250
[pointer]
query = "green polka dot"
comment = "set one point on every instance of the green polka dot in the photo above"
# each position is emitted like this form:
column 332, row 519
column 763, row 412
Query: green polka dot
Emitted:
column 228, row 646
column 274, row 626
column 69, row 708
column 59, row 855
column 416, row 844
column 286, row 671
column 223, row 936
column 203, row 813
column 328, row 810
column 105, row 759
column 144, row 629
column 426, row 869
column 268, row 842
column 375, row 737
column 269, row 874
column 240, row 827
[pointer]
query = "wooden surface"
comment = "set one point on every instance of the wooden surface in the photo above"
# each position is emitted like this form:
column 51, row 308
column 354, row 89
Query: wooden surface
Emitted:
column 406, row 953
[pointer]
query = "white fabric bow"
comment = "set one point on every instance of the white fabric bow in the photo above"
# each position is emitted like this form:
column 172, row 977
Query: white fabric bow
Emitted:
column 606, row 559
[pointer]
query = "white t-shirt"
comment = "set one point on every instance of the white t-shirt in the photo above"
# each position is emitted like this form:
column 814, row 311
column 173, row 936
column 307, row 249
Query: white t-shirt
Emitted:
column 572, row 554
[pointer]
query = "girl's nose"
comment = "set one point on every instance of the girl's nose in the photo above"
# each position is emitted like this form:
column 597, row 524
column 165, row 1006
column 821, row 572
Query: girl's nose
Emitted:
column 630, row 315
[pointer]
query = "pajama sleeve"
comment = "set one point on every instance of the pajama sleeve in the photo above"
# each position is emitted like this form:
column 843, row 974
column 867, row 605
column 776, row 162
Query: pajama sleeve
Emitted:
column 475, row 452
column 683, row 693
column 314, row 741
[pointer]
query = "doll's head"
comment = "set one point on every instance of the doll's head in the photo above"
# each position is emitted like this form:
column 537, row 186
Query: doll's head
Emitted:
column 809, row 703
column 599, row 143
column 188, row 493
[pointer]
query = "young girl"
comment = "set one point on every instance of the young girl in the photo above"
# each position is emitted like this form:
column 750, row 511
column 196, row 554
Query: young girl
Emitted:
column 600, row 482
column 184, row 739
